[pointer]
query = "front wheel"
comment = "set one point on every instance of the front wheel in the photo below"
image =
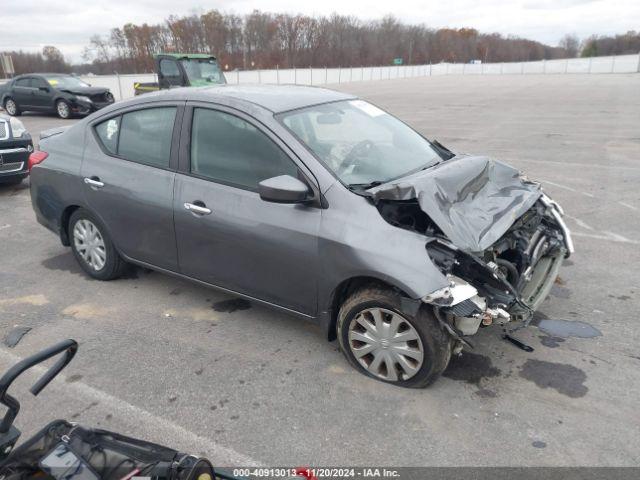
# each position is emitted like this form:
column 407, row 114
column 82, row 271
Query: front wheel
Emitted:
column 382, row 342
column 11, row 107
column 63, row 109
column 93, row 248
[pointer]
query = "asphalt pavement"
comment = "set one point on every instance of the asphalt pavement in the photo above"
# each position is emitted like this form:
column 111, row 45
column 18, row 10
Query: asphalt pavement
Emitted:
column 179, row 364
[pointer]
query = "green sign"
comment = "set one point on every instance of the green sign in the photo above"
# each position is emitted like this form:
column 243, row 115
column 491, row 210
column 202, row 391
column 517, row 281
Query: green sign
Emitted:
column 397, row 61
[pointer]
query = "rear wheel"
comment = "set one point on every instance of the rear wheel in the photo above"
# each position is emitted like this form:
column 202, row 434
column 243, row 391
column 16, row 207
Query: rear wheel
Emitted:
column 382, row 342
column 63, row 109
column 11, row 107
column 93, row 248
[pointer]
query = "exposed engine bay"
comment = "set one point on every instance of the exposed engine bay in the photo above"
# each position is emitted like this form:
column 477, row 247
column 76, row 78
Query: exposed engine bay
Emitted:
column 505, row 282
column 494, row 234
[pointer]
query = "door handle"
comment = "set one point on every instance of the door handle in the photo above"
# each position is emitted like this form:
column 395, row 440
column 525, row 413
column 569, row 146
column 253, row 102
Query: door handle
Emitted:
column 197, row 209
column 94, row 182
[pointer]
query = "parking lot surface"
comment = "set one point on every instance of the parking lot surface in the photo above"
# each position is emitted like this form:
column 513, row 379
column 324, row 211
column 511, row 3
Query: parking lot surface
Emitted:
column 179, row 364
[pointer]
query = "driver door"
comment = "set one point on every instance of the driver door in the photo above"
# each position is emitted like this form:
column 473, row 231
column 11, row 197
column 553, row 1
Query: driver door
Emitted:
column 42, row 98
column 170, row 74
column 238, row 241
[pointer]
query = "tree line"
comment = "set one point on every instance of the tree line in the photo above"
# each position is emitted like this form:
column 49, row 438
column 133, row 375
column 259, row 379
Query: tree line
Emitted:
column 262, row 40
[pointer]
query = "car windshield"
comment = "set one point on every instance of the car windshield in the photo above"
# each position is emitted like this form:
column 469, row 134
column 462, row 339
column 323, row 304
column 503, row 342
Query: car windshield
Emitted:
column 198, row 71
column 360, row 143
column 66, row 82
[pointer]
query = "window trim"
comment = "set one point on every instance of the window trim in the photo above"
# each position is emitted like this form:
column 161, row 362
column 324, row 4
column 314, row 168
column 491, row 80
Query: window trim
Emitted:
column 304, row 174
column 175, row 134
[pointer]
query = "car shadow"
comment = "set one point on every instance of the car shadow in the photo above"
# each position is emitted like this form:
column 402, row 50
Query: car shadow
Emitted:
column 9, row 190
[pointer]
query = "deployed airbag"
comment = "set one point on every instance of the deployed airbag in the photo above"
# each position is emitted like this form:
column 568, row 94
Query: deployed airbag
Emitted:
column 473, row 199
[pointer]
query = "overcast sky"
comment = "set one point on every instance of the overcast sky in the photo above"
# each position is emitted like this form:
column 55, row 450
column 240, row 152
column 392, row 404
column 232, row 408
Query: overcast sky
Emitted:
column 68, row 24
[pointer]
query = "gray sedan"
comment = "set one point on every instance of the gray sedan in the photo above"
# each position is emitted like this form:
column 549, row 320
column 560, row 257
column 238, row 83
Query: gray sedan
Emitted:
column 313, row 202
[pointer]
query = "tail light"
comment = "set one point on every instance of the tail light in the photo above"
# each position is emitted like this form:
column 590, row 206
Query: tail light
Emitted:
column 36, row 157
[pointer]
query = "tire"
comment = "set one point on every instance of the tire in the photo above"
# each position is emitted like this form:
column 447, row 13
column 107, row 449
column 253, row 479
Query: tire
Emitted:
column 102, row 261
column 63, row 109
column 433, row 342
column 12, row 108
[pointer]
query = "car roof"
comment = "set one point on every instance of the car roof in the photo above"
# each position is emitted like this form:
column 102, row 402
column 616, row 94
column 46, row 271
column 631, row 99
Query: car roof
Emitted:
column 276, row 98
column 195, row 56
column 24, row 75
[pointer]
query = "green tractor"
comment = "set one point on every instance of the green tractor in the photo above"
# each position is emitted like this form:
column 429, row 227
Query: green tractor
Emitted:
column 183, row 70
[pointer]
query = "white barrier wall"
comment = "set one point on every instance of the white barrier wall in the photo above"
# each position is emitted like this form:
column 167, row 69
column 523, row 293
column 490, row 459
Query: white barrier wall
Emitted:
column 122, row 85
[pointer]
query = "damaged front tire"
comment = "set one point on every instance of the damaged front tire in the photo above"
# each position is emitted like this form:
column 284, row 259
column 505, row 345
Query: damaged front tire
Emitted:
column 389, row 345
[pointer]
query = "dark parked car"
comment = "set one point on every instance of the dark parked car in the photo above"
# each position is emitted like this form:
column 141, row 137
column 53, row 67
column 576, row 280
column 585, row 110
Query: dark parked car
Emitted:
column 64, row 95
column 15, row 147
column 311, row 201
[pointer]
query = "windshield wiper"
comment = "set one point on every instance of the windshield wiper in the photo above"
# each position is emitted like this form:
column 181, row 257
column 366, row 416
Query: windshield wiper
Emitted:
column 364, row 186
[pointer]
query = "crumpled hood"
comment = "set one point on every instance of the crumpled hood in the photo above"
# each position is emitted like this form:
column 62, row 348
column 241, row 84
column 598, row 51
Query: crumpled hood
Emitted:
column 88, row 91
column 473, row 199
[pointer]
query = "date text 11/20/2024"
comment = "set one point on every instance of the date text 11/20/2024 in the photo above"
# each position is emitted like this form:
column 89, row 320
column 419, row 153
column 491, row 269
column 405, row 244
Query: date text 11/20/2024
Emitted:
column 316, row 473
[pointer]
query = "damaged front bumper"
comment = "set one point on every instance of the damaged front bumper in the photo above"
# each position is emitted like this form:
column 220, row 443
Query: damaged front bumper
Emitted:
column 506, row 282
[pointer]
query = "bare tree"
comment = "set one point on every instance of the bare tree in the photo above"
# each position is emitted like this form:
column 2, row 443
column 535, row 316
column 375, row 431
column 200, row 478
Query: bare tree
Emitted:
column 264, row 40
column 570, row 43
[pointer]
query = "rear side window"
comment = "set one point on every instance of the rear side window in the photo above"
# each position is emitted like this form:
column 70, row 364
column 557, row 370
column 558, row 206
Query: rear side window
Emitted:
column 229, row 150
column 143, row 136
column 23, row 82
column 108, row 134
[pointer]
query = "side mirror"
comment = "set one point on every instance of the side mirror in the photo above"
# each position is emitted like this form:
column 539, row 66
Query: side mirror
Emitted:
column 283, row 189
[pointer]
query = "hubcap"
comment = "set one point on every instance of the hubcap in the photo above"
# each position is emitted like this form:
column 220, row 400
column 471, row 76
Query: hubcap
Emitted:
column 11, row 107
column 63, row 109
column 89, row 244
column 385, row 344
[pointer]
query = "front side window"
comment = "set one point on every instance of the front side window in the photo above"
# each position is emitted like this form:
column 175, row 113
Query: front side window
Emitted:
column 39, row 83
column 229, row 150
column 142, row 136
column 359, row 142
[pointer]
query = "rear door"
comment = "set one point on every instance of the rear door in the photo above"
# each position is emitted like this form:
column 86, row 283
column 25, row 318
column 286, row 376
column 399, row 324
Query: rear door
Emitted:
column 237, row 241
column 129, row 172
column 22, row 92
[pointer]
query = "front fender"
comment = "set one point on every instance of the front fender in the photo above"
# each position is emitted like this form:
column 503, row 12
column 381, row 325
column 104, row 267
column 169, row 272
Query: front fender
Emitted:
column 355, row 241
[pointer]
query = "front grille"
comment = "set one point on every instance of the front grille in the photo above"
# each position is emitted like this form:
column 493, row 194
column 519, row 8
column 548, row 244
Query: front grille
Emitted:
column 11, row 167
column 4, row 130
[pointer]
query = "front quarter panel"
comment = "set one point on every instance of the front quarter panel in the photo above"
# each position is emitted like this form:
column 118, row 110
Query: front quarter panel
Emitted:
column 355, row 241
column 56, row 183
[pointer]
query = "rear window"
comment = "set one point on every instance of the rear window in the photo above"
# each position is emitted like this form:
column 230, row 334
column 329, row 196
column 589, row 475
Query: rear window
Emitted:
column 142, row 136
